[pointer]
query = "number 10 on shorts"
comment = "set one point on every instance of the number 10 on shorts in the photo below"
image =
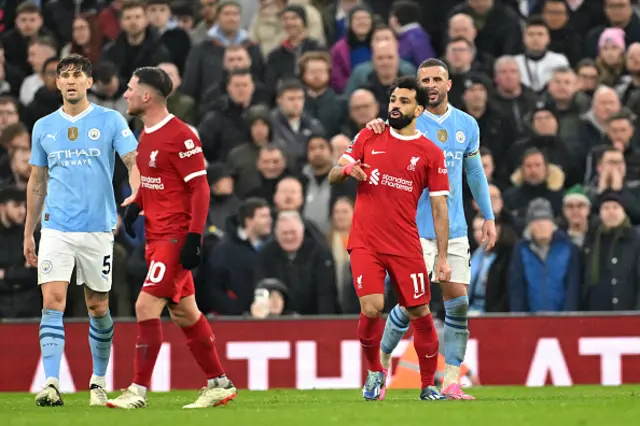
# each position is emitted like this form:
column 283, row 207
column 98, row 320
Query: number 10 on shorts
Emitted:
column 156, row 272
column 418, row 284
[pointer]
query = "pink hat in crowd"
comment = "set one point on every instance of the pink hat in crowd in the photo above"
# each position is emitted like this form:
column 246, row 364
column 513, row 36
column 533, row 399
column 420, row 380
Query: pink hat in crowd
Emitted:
column 614, row 36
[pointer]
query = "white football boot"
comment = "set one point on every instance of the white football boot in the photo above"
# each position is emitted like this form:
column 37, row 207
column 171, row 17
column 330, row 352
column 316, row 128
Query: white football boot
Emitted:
column 217, row 393
column 132, row 397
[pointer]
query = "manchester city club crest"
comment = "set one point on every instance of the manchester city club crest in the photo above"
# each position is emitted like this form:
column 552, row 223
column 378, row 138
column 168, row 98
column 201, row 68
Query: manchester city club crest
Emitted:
column 94, row 134
column 460, row 136
column 72, row 133
column 442, row 135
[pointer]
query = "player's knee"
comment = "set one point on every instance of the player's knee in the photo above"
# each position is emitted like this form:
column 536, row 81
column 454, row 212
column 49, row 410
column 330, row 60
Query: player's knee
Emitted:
column 453, row 290
column 97, row 309
column 54, row 296
column 418, row 311
column 183, row 317
column 146, row 310
column 457, row 307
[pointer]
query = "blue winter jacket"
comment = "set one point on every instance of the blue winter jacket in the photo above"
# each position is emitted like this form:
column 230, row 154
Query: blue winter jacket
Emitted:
column 550, row 285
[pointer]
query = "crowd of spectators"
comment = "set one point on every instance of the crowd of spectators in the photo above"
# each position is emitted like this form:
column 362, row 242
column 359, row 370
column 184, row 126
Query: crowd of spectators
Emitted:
column 277, row 89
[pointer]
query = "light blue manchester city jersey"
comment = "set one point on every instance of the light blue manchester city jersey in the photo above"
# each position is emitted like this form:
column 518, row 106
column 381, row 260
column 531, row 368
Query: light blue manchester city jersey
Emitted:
column 457, row 134
column 80, row 154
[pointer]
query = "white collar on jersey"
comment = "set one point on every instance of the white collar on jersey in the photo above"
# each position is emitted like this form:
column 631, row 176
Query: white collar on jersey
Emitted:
column 159, row 125
column 403, row 137
column 75, row 118
column 439, row 118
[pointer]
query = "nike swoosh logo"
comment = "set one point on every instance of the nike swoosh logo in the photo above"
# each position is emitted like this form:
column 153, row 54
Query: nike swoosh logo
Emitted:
column 431, row 356
column 374, row 152
column 418, row 296
column 147, row 285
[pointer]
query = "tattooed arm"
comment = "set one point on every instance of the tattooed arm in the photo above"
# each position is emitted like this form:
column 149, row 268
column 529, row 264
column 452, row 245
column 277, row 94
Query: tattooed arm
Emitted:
column 36, row 193
column 129, row 160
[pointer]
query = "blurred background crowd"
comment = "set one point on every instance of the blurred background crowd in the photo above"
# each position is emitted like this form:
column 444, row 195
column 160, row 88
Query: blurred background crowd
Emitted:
column 277, row 89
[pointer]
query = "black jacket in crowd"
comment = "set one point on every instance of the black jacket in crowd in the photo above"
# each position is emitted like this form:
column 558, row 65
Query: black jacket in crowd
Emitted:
column 19, row 296
column 127, row 58
column 309, row 275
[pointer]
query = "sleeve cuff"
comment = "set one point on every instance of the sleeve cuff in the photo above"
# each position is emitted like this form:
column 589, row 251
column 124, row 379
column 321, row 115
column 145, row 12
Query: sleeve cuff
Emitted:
column 439, row 193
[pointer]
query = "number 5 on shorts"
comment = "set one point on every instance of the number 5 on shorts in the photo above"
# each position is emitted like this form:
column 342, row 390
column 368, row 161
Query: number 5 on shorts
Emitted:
column 418, row 283
column 106, row 264
column 156, row 272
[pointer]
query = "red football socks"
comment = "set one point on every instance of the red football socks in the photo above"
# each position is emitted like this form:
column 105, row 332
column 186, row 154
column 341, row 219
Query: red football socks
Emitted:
column 148, row 346
column 370, row 333
column 425, row 341
column 201, row 342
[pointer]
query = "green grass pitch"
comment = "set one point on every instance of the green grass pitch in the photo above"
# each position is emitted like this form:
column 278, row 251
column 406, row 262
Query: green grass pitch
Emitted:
column 495, row 406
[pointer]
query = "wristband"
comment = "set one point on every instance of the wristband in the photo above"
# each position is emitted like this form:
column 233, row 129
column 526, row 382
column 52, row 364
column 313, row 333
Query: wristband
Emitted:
column 346, row 170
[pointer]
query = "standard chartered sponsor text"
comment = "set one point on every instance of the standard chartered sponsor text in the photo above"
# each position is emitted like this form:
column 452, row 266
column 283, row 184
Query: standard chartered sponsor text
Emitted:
column 151, row 183
column 396, row 182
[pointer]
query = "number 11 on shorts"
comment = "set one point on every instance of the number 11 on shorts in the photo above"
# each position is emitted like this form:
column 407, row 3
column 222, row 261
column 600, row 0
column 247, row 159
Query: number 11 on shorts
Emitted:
column 418, row 284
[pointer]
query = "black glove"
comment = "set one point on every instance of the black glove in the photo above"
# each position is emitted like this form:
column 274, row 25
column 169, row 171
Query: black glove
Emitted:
column 131, row 214
column 191, row 251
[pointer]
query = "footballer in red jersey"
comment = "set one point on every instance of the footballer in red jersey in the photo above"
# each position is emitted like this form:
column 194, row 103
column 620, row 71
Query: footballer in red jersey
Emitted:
column 393, row 169
column 174, row 195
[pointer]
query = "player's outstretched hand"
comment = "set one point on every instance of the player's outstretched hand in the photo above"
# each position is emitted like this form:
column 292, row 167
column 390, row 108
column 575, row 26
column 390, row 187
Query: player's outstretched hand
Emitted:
column 131, row 213
column 489, row 234
column 30, row 251
column 443, row 270
column 376, row 125
column 355, row 170
column 191, row 251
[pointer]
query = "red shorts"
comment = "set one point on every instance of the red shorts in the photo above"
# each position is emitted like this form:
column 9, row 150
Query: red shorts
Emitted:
column 167, row 279
column 409, row 276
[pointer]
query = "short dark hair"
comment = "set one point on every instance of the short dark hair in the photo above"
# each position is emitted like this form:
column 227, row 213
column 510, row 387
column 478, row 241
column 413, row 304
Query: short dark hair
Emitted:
column 535, row 21
column 411, row 83
column 271, row 147
column 182, row 8
column 75, row 62
column 8, row 99
column 405, row 11
column 52, row 60
column 623, row 114
column 105, row 72
column 156, row 78
column 586, row 62
column 11, row 132
column 434, row 63
column 226, row 3
column 532, row 151
column 240, row 72
column 45, row 41
column 485, row 151
column 133, row 4
column 248, row 208
column 27, row 7
column 158, row 3
column 288, row 85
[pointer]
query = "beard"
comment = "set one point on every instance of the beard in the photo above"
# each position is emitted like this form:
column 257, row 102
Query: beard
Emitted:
column 439, row 100
column 401, row 122
column 135, row 112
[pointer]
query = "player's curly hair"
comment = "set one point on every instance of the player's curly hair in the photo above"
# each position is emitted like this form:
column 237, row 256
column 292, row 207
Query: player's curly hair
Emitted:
column 411, row 83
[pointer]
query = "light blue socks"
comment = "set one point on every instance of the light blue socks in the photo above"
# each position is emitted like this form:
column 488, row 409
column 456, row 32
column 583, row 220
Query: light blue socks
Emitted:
column 100, row 338
column 456, row 333
column 51, row 342
column 394, row 329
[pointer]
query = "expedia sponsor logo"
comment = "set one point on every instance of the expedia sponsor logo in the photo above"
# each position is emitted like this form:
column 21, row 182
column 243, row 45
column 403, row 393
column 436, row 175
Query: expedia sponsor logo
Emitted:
column 194, row 151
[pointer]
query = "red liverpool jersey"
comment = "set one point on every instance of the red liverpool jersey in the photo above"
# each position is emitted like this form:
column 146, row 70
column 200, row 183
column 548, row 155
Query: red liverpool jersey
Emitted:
column 401, row 167
column 169, row 156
